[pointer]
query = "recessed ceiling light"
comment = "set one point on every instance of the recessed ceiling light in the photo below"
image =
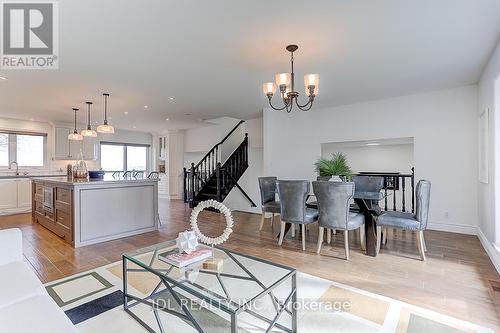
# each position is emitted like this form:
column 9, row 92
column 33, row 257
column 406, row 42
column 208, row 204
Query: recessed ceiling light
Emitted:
column 373, row 144
column 32, row 119
column 126, row 112
column 171, row 98
column 146, row 106
column 167, row 119
column 134, row 126
column 3, row 78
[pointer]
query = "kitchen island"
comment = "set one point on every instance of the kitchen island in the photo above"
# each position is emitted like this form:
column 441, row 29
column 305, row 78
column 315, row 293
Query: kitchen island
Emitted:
column 85, row 212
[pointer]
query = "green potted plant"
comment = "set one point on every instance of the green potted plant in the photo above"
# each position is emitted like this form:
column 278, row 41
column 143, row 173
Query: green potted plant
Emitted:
column 333, row 168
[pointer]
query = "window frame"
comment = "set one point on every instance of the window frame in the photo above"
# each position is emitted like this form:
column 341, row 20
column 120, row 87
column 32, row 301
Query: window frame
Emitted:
column 124, row 147
column 12, row 149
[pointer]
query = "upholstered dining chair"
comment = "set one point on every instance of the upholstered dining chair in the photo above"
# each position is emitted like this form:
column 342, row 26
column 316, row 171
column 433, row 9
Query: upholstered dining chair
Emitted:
column 369, row 184
column 293, row 195
column 415, row 222
column 334, row 213
column 267, row 186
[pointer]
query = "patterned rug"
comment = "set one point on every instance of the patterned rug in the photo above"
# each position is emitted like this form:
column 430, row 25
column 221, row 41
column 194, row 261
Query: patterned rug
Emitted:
column 94, row 302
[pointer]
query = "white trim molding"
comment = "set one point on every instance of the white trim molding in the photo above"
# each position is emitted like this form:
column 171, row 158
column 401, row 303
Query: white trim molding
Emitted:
column 451, row 227
column 492, row 251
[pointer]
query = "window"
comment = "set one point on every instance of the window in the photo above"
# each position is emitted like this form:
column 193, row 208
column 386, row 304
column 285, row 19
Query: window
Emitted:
column 4, row 149
column 27, row 149
column 30, row 150
column 137, row 158
column 123, row 157
column 112, row 157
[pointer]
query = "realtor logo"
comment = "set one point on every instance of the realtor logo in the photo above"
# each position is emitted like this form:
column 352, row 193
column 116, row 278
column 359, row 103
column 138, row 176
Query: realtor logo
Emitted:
column 29, row 35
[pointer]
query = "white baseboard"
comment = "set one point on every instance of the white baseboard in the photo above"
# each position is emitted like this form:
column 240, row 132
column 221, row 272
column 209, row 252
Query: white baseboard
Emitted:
column 450, row 227
column 492, row 251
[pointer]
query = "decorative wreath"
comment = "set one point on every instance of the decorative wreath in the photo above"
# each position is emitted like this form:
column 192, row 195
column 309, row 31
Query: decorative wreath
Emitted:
column 224, row 210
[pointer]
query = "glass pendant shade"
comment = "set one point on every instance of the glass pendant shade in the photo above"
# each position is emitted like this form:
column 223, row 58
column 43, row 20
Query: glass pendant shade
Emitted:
column 269, row 88
column 89, row 132
column 105, row 128
column 311, row 80
column 75, row 136
column 283, row 79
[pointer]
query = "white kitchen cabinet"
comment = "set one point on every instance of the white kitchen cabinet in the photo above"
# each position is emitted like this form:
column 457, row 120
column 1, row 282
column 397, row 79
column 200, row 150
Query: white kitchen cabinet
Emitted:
column 23, row 193
column 62, row 143
column 70, row 150
column 89, row 148
column 8, row 194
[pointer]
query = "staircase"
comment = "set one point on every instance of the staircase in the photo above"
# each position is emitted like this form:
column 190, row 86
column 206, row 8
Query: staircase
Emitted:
column 216, row 175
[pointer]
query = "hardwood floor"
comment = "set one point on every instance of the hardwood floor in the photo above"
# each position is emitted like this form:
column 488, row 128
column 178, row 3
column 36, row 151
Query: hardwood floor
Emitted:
column 457, row 279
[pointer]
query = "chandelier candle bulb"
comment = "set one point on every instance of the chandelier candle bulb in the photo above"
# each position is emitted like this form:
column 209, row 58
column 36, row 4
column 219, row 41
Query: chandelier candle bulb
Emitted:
column 269, row 88
column 283, row 79
column 311, row 80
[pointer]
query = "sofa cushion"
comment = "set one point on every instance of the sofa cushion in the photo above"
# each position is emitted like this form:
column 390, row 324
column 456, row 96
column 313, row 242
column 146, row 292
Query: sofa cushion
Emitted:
column 18, row 282
column 35, row 314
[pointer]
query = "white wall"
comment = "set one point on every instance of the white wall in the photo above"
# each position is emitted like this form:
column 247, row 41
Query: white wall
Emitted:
column 235, row 200
column 488, row 198
column 383, row 158
column 442, row 123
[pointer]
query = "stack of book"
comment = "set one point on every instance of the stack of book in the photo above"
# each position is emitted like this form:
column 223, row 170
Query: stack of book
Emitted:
column 173, row 257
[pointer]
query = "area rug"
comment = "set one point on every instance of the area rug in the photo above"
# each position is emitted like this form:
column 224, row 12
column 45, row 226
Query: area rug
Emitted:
column 93, row 301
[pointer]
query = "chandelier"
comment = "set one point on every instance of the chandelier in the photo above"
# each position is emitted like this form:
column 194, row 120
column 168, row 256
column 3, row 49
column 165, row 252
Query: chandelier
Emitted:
column 286, row 84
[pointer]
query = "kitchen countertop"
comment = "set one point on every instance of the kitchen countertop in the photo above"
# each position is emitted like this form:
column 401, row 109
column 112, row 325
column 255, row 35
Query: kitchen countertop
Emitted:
column 108, row 179
column 28, row 176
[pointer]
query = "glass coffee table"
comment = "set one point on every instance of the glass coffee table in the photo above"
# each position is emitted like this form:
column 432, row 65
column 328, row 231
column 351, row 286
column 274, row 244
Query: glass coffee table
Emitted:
column 258, row 289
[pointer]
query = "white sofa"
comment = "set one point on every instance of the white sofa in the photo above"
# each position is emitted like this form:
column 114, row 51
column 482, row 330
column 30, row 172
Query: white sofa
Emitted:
column 25, row 306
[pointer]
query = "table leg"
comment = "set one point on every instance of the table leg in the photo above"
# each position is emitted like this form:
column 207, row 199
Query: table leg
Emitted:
column 370, row 228
column 294, row 305
column 125, row 298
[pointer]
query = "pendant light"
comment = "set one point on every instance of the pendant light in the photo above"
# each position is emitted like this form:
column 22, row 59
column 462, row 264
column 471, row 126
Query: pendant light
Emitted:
column 89, row 132
column 75, row 136
column 105, row 128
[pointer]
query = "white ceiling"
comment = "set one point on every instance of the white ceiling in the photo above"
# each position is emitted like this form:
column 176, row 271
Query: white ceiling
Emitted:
column 213, row 56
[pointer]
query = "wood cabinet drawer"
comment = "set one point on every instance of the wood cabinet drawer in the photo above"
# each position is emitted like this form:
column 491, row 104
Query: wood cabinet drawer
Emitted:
column 63, row 195
column 49, row 215
column 39, row 207
column 63, row 219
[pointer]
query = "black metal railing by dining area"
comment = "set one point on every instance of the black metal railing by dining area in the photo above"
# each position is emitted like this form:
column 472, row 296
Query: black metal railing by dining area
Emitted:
column 398, row 190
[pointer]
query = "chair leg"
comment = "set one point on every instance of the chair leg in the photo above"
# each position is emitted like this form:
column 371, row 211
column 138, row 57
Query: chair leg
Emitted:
column 346, row 244
column 272, row 221
column 328, row 236
column 362, row 238
column 423, row 241
column 262, row 219
column 420, row 244
column 320, row 239
column 282, row 233
column 384, row 235
column 303, row 237
column 379, row 238
column 293, row 229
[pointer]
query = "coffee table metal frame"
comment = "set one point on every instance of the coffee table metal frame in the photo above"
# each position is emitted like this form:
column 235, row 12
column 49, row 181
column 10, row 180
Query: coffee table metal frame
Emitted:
column 223, row 303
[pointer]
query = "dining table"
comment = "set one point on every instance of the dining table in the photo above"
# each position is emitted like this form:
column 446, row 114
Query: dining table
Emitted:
column 364, row 201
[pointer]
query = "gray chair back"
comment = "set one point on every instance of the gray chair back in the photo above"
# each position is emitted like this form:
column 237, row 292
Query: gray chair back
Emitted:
column 293, row 195
column 423, row 196
column 267, row 186
column 369, row 184
column 333, row 203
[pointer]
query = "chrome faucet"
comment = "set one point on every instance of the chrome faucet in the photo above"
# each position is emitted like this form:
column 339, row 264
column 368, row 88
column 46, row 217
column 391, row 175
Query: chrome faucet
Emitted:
column 17, row 167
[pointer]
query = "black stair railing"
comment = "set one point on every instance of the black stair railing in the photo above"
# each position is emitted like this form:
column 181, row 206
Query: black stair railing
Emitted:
column 210, row 170
column 395, row 190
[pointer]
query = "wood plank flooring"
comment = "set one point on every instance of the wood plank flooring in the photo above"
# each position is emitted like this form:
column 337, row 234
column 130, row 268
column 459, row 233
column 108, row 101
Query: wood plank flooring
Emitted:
column 458, row 278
